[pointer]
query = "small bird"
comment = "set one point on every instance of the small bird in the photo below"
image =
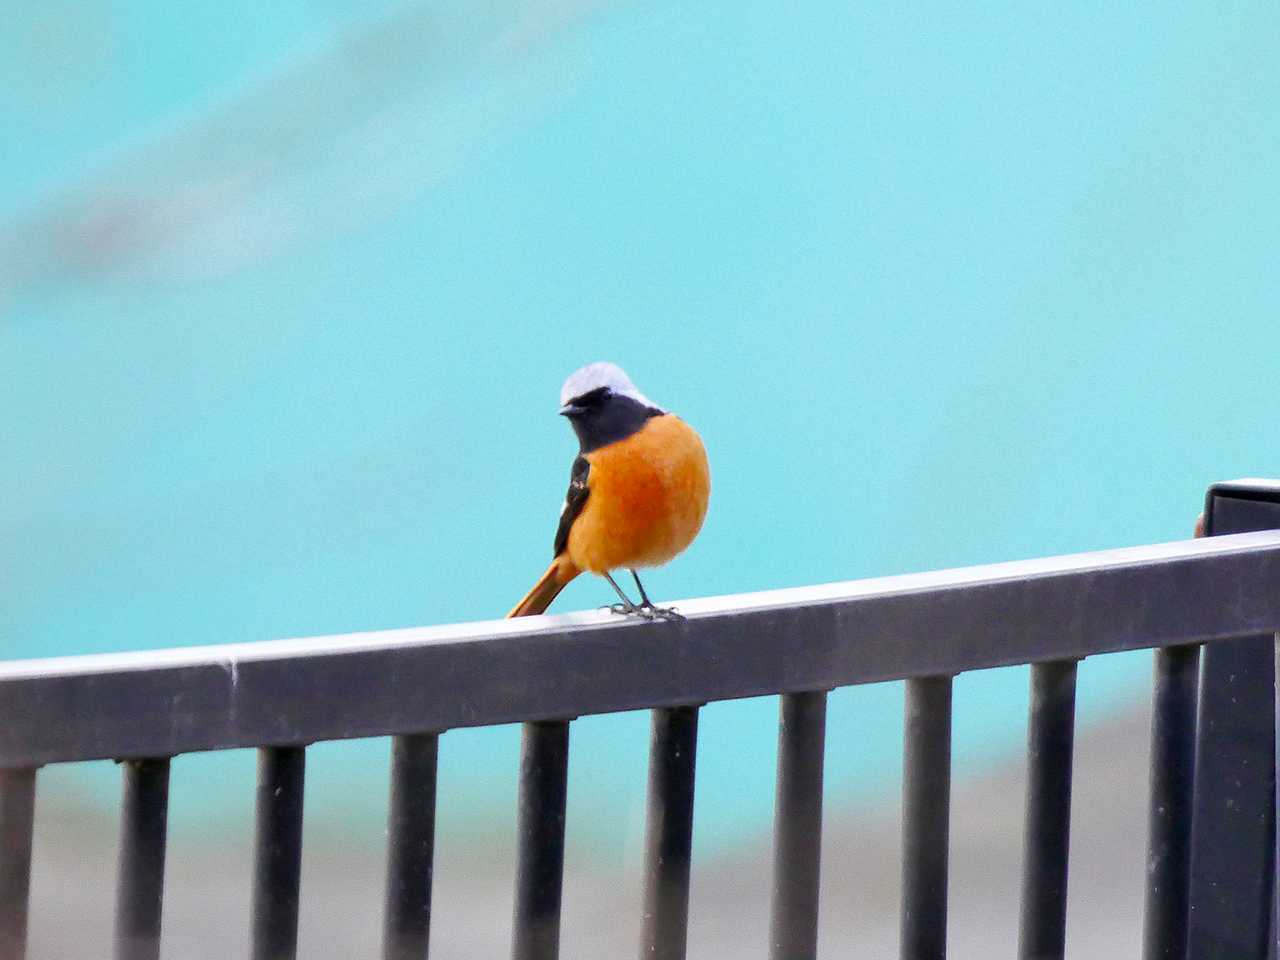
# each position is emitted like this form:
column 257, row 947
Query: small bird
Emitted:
column 638, row 489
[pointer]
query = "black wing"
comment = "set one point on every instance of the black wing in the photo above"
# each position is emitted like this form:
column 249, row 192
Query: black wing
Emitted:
column 574, row 501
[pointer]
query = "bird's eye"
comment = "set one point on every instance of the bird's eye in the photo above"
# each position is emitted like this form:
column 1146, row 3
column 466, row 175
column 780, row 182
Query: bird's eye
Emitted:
column 593, row 398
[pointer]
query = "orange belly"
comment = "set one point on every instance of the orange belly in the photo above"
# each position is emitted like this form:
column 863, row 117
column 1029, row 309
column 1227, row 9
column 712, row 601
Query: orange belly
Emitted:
column 647, row 498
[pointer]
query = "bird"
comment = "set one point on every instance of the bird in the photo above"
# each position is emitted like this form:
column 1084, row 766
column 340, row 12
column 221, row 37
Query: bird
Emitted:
column 638, row 490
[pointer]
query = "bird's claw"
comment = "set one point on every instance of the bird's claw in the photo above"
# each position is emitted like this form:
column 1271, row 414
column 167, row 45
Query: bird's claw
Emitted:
column 663, row 613
column 628, row 609
column 646, row 611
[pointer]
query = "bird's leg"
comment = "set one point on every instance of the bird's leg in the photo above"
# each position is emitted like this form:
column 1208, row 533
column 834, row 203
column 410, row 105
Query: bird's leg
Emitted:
column 644, row 597
column 626, row 606
column 666, row 613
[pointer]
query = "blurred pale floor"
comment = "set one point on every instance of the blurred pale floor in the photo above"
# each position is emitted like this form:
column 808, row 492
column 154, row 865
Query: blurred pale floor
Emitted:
column 207, row 902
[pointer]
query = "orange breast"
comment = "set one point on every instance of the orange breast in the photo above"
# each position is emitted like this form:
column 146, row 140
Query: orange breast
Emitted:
column 647, row 498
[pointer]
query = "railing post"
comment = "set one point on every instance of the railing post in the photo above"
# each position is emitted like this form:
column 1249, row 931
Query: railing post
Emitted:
column 797, row 826
column 17, row 816
column 1173, row 756
column 668, row 843
column 143, row 835
column 1275, row 815
column 406, row 925
column 926, row 818
column 1274, row 950
column 1050, row 746
column 1233, row 824
column 544, row 770
column 277, row 858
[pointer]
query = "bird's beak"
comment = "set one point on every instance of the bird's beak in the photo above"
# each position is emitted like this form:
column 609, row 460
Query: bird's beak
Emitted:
column 569, row 409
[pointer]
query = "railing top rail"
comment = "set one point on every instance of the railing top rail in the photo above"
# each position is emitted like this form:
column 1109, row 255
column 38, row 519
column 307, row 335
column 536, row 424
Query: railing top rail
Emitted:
column 165, row 702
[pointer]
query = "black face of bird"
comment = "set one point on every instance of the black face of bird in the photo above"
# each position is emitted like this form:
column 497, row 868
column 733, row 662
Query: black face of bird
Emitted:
column 588, row 403
column 600, row 417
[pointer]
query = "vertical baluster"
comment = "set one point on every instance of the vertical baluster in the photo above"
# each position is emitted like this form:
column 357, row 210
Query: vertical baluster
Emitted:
column 277, row 856
column 669, row 833
column 17, row 815
column 1173, row 755
column 1042, row 926
column 1274, row 948
column 411, row 843
column 140, row 875
column 926, row 818
column 797, row 826
column 544, row 768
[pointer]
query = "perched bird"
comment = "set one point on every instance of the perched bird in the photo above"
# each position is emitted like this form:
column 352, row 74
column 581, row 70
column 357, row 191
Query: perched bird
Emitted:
column 637, row 492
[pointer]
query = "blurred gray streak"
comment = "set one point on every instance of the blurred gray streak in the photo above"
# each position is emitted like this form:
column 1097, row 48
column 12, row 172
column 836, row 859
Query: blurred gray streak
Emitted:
column 322, row 142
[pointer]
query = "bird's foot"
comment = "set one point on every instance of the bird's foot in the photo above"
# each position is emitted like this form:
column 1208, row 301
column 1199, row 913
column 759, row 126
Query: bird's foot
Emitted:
column 660, row 613
column 645, row 611
column 631, row 610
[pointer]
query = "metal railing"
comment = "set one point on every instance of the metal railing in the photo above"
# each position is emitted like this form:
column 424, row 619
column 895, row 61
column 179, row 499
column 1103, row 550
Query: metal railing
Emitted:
column 414, row 685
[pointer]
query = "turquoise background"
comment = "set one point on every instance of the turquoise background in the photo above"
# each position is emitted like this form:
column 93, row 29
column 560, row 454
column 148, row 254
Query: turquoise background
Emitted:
column 284, row 312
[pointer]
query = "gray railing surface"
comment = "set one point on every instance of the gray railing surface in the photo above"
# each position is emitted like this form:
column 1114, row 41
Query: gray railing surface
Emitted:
column 1207, row 856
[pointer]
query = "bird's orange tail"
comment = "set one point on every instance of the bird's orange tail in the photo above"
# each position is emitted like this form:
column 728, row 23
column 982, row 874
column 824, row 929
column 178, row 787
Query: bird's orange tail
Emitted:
column 549, row 585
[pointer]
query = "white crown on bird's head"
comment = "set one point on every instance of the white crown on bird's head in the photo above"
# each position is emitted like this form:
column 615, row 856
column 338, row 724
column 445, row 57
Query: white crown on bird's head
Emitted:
column 602, row 374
